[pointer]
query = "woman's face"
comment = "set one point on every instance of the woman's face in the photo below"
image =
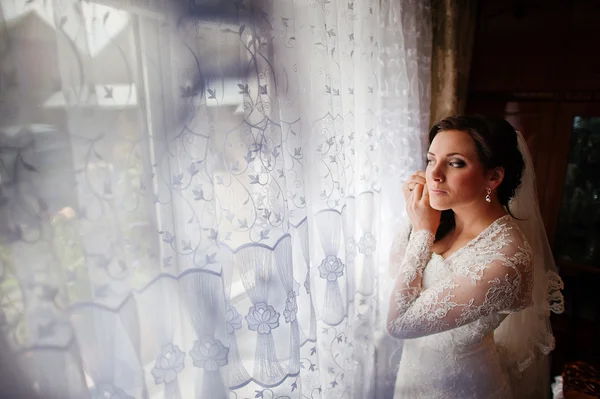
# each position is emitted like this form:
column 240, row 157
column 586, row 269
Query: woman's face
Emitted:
column 455, row 175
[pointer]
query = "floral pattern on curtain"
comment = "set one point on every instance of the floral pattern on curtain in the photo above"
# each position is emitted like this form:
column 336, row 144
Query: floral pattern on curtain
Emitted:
column 200, row 204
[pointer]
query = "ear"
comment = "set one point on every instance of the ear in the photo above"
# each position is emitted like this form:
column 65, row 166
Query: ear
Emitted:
column 495, row 177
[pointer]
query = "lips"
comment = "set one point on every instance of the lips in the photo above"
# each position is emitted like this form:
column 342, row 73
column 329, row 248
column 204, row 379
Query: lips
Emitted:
column 436, row 191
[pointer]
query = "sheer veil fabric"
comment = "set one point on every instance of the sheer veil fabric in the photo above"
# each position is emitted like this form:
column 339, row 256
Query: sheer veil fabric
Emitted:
column 524, row 339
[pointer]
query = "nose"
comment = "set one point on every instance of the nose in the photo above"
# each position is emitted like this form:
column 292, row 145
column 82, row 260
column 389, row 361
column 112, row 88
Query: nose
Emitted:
column 436, row 173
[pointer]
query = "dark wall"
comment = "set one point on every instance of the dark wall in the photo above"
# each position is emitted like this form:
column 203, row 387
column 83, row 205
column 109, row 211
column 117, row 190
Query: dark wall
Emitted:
column 537, row 45
column 537, row 64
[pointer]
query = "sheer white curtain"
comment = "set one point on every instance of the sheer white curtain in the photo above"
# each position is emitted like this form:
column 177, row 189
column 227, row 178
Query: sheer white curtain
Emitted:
column 198, row 201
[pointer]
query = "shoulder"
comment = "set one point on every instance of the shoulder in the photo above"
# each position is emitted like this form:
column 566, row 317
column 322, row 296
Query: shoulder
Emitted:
column 504, row 238
column 500, row 249
column 511, row 270
column 514, row 242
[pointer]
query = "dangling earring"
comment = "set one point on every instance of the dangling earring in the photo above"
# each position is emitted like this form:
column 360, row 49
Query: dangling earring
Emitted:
column 487, row 197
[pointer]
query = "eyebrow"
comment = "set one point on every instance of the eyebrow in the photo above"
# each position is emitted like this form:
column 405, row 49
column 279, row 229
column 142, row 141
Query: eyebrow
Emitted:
column 448, row 155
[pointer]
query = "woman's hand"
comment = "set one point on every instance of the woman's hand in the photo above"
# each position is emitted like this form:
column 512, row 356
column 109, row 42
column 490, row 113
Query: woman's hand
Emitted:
column 409, row 185
column 422, row 216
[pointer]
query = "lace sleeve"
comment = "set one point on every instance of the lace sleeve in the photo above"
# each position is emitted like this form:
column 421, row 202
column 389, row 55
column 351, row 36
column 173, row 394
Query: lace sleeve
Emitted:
column 399, row 249
column 500, row 287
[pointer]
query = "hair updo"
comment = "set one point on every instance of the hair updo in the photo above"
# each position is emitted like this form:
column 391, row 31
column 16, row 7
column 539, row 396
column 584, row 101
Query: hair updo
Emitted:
column 497, row 146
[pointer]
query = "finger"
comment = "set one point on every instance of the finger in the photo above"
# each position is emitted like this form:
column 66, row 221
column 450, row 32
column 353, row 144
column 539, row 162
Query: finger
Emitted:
column 418, row 191
column 420, row 173
column 417, row 179
column 411, row 183
column 406, row 189
column 425, row 193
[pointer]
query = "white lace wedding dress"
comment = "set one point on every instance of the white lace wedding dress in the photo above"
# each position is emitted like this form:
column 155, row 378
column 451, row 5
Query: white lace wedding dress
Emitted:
column 447, row 310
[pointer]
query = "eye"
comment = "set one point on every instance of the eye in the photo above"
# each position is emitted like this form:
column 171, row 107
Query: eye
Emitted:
column 457, row 164
column 430, row 161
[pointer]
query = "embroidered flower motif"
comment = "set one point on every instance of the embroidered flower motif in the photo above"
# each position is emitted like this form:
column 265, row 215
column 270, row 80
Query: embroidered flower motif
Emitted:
column 209, row 354
column 109, row 391
column 233, row 319
column 168, row 364
column 367, row 244
column 331, row 268
column 307, row 283
column 291, row 307
column 262, row 318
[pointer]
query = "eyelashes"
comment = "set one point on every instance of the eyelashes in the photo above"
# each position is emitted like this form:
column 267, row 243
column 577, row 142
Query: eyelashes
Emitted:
column 454, row 164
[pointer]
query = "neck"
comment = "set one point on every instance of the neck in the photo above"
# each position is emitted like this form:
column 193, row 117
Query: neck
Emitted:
column 474, row 218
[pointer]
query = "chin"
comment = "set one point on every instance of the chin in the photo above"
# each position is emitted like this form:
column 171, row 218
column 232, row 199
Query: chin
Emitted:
column 439, row 205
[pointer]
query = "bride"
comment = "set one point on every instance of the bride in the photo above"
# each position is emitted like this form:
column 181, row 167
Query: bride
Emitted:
column 475, row 277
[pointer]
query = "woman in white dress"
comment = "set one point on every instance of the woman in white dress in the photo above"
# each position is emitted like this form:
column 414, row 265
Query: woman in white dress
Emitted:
column 471, row 297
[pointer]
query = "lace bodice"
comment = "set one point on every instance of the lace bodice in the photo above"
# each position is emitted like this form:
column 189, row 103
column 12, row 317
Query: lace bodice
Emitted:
column 449, row 308
column 489, row 277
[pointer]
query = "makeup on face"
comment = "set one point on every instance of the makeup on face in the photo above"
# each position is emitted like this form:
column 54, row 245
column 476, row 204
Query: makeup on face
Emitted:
column 454, row 174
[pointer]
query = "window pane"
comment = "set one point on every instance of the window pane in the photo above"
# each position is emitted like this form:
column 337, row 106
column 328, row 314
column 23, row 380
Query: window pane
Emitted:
column 578, row 234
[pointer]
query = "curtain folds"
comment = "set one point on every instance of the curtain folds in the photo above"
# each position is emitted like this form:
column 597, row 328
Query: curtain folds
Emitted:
column 201, row 205
column 454, row 24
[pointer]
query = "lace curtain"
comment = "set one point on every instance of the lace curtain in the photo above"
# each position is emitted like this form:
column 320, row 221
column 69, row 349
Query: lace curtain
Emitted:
column 199, row 201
